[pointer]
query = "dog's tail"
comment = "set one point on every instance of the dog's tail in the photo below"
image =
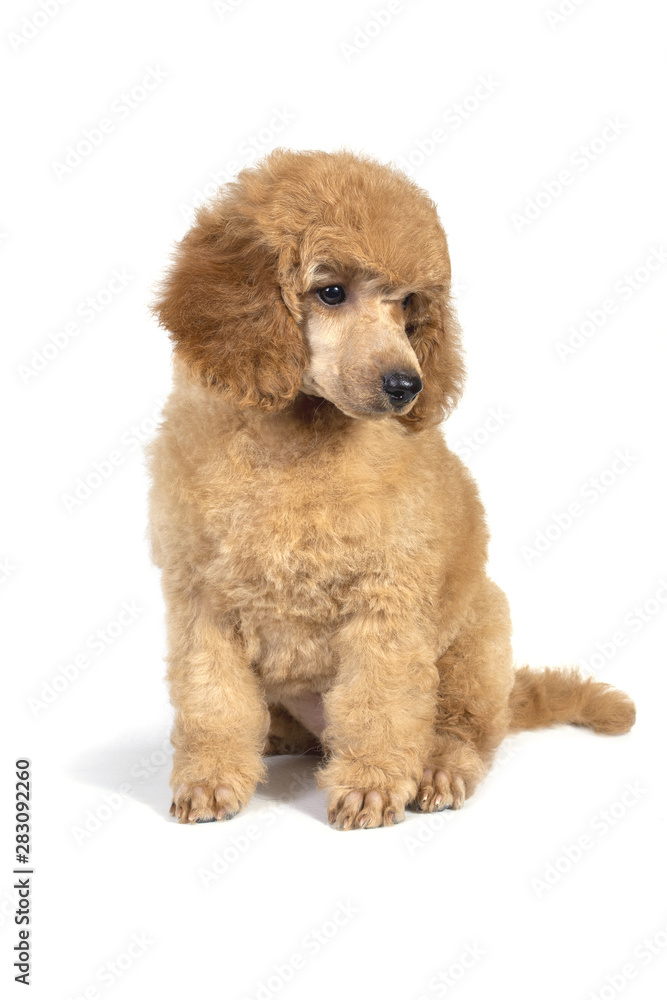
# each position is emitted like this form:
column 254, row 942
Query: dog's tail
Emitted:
column 542, row 697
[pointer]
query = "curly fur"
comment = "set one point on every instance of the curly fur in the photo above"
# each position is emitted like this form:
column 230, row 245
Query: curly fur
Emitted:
column 323, row 553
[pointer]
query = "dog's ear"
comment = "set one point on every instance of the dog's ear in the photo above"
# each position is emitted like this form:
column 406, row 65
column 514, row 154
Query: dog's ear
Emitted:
column 223, row 305
column 435, row 337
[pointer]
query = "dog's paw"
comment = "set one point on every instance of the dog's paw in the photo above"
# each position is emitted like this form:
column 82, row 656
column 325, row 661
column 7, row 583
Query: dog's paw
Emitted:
column 361, row 809
column 439, row 789
column 204, row 803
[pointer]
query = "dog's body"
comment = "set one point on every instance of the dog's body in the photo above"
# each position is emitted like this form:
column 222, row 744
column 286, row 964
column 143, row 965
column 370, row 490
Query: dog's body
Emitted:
column 323, row 552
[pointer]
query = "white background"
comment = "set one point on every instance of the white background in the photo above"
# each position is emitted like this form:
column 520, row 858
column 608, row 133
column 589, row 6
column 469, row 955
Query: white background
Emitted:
column 493, row 882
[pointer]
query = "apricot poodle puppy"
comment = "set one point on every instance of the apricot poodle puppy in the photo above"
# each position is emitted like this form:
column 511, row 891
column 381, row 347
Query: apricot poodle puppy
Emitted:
column 322, row 550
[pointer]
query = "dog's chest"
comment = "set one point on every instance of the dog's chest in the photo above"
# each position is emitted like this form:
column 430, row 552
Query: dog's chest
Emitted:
column 300, row 538
column 297, row 547
column 300, row 542
column 298, row 533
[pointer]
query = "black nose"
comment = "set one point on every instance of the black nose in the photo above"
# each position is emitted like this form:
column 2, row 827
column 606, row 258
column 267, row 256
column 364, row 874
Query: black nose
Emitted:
column 401, row 388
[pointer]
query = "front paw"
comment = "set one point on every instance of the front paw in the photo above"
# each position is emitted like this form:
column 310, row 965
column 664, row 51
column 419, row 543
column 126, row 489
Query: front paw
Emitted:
column 440, row 788
column 205, row 803
column 364, row 808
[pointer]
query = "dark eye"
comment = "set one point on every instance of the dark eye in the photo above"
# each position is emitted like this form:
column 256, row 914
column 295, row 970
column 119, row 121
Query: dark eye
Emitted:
column 406, row 300
column 332, row 295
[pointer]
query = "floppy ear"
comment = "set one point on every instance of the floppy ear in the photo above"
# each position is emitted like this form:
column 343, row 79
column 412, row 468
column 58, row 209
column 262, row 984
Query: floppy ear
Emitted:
column 435, row 336
column 223, row 306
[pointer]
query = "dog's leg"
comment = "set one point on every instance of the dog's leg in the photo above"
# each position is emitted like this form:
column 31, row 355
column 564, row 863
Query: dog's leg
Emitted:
column 476, row 677
column 221, row 719
column 379, row 721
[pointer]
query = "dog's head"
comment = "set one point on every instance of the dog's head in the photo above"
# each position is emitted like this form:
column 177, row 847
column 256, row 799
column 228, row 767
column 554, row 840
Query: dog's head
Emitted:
column 322, row 273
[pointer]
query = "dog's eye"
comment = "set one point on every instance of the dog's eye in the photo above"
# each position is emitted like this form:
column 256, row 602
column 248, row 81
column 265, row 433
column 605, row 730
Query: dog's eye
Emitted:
column 332, row 295
column 406, row 301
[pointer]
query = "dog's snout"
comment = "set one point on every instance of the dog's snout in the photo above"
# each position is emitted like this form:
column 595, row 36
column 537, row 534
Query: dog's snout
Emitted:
column 401, row 387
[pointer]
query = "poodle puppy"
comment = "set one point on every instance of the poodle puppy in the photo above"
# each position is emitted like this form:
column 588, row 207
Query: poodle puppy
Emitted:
column 322, row 550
